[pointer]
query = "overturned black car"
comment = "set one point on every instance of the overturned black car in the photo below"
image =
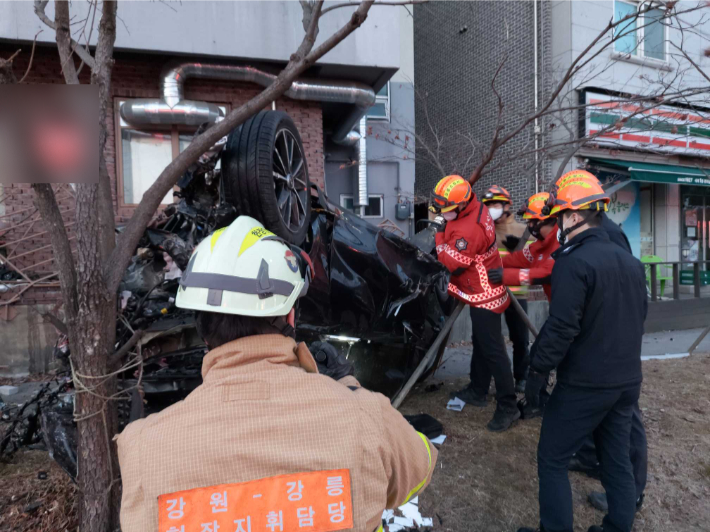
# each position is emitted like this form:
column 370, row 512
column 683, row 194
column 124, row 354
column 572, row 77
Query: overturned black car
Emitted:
column 377, row 297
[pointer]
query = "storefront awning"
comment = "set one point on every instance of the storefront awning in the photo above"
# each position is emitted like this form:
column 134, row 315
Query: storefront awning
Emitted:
column 660, row 173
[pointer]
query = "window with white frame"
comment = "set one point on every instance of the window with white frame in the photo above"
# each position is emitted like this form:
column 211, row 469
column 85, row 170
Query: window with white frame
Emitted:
column 381, row 109
column 143, row 153
column 644, row 33
column 375, row 209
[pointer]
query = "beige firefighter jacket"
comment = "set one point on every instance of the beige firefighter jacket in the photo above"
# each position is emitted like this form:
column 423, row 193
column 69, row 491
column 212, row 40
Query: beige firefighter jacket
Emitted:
column 264, row 411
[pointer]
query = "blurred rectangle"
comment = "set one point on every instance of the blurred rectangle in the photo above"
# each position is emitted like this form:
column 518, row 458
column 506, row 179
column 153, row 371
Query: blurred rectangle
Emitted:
column 49, row 134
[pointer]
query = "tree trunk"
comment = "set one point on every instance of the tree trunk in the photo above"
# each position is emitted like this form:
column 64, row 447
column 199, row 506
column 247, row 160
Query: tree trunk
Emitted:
column 93, row 342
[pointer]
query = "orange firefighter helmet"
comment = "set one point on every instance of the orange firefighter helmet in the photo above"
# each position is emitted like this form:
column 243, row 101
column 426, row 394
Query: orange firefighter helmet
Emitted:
column 451, row 192
column 533, row 208
column 497, row 193
column 577, row 190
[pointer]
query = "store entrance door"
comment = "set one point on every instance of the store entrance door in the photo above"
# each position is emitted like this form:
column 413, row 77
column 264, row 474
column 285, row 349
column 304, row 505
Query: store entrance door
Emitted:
column 695, row 237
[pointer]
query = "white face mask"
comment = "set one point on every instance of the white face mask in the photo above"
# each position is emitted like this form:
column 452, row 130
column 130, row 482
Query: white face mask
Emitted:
column 496, row 212
column 451, row 215
column 559, row 236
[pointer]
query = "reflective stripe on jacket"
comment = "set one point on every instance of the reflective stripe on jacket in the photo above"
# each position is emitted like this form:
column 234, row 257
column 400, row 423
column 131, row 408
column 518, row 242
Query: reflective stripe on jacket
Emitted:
column 262, row 411
column 467, row 249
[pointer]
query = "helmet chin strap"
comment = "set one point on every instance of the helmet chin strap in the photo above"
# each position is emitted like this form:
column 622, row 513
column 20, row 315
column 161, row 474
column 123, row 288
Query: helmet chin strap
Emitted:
column 562, row 236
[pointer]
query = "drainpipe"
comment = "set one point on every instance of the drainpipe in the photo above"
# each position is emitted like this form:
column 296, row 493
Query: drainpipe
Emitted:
column 537, row 124
column 363, row 199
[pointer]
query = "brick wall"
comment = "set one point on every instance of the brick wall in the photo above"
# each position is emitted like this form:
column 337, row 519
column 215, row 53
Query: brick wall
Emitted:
column 458, row 48
column 134, row 76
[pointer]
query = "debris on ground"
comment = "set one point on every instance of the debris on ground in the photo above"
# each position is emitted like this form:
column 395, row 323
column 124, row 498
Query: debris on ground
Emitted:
column 455, row 404
column 8, row 390
column 439, row 439
column 406, row 517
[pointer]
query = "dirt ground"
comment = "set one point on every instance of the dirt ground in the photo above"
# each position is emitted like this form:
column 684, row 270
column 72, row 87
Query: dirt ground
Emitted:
column 31, row 502
column 488, row 482
column 484, row 482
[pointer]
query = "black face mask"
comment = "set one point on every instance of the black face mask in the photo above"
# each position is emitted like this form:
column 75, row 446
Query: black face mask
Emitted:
column 562, row 234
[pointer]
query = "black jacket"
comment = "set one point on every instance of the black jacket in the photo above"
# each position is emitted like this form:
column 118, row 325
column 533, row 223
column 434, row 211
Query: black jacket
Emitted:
column 598, row 306
column 616, row 234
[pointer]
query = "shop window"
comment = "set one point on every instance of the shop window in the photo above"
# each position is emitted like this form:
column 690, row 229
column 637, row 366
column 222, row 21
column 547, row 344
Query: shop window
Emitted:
column 642, row 36
column 374, row 210
column 381, row 109
column 143, row 155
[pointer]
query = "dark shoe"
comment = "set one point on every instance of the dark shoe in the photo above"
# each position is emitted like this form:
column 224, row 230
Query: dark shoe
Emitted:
column 528, row 411
column 503, row 419
column 598, row 500
column 639, row 502
column 520, row 386
column 575, row 464
column 468, row 396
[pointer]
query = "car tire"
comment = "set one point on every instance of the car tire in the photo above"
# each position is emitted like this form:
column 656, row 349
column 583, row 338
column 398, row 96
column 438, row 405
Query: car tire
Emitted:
column 265, row 174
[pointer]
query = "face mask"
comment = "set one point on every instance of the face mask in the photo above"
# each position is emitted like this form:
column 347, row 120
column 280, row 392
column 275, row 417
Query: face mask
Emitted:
column 448, row 216
column 496, row 212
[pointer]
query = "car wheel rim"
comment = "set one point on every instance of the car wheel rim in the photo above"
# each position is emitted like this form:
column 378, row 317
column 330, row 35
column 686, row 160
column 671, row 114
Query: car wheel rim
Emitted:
column 290, row 187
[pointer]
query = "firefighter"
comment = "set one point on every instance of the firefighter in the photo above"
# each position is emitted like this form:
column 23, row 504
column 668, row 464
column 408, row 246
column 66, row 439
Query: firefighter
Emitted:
column 593, row 337
column 466, row 245
column 533, row 264
column 265, row 442
column 509, row 234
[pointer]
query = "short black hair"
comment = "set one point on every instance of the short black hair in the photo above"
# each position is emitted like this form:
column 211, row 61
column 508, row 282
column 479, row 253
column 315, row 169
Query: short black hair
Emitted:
column 593, row 218
column 217, row 329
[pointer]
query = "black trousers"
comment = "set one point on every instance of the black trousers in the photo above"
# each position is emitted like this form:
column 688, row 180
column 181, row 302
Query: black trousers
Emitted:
column 571, row 414
column 519, row 336
column 490, row 358
column 638, row 453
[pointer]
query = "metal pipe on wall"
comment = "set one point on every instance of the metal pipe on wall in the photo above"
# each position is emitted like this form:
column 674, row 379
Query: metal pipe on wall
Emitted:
column 363, row 199
column 537, row 124
column 172, row 108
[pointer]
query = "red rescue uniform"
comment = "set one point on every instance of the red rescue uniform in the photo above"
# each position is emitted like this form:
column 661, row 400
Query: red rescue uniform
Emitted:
column 467, row 248
column 532, row 265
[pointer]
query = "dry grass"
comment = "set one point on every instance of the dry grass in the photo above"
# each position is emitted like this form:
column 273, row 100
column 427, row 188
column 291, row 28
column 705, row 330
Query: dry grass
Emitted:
column 488, row 482
column 30, row 504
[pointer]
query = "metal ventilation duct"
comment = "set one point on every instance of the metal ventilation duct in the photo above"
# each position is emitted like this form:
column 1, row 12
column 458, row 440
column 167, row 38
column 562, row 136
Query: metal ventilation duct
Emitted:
column 362, row 195
column 172, row 108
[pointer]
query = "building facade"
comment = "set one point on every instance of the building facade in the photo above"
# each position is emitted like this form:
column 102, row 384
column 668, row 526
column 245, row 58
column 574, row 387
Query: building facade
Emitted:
column 657, row 162
column 152, row 39
column 460, row 48
column 654, row 159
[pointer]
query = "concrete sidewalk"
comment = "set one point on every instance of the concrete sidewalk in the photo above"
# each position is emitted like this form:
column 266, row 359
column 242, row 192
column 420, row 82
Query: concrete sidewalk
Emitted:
column 457, row 360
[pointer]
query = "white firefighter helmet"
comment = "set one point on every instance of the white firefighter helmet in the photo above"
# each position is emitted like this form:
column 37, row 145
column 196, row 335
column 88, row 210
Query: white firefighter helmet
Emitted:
column 243, row 269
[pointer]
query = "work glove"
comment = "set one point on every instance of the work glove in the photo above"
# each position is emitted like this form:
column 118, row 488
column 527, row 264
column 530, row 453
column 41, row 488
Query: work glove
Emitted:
column 330, row 362
column 496, row 276
column 511, row 242
column 533, row 385
column 440, row 224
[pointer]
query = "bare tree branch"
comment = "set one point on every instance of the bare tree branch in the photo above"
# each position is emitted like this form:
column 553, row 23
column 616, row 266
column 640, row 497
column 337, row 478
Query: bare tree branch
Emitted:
column 64, row 41
column 46, row 203
column 39, row 7
column 32, row 56
column 354, row 4
column 101, row 76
